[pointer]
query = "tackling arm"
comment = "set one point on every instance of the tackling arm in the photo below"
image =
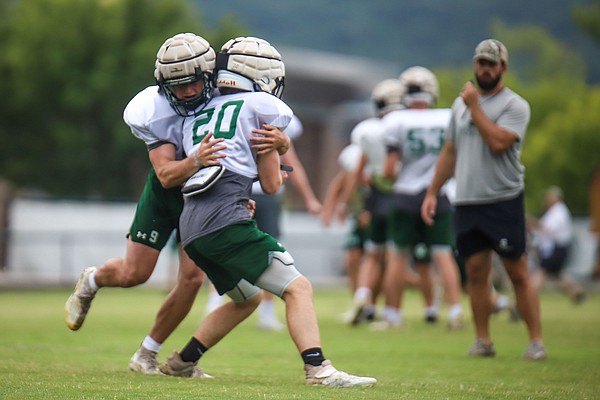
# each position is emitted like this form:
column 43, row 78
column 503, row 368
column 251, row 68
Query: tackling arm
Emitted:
column 172, row 172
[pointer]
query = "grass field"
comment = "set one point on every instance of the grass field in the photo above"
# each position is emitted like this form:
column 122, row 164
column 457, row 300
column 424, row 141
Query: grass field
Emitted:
column 41, row 359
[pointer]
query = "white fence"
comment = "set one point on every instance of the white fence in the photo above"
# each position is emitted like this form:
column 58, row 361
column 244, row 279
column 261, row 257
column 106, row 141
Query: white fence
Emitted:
column 50, row 242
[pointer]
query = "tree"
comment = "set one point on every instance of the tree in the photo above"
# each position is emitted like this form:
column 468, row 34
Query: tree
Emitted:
column 587, row 19
column 69, row 67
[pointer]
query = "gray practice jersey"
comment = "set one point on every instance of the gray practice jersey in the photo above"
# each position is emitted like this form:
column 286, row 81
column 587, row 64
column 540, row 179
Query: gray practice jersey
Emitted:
column 482, row 176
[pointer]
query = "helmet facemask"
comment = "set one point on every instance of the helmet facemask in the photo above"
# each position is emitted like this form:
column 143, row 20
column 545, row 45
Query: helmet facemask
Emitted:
column 186, row 107
column 183, row 59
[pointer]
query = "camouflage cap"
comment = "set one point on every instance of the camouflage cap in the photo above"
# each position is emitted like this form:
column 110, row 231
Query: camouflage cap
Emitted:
column 491, row 50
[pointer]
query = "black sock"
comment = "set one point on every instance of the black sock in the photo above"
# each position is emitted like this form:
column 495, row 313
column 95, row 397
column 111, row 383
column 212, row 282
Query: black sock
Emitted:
column 313, row 356
column 193, row 350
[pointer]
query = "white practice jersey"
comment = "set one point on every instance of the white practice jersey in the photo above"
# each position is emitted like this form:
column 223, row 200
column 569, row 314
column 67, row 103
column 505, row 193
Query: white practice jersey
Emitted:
column 419, row 135
column 368, row 134
column 153, row 120
column 233, row 117
column 349, row 157
column 294, row 131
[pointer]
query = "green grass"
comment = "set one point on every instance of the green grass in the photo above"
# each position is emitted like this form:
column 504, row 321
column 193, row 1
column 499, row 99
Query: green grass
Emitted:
column 41, row 359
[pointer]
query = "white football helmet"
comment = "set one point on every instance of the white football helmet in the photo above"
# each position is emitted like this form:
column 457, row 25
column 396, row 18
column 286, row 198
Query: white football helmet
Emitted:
column 420, row 84
column 182, row 59
column 252, row 64
column 387, row 94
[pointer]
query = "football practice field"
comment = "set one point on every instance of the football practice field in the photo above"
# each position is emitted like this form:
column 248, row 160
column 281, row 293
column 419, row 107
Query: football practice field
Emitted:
column 41, row 359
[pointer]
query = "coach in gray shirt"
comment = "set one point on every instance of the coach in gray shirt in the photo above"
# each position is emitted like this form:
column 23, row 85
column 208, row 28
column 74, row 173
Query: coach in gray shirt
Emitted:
column 482, row 150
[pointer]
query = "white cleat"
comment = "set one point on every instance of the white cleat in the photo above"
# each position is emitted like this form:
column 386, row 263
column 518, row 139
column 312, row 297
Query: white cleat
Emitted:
column 144, row 361
column 79, row 302
column 326, row 375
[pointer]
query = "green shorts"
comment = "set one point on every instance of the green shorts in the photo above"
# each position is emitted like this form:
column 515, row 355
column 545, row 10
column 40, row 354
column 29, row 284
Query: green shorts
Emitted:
column 377, row 230
column 407, row 229
column 356, row 236
column 239, row 251
column 157, row 214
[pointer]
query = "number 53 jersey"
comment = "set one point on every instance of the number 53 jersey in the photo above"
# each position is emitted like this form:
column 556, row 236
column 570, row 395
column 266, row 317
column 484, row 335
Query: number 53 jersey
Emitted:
column 233, row 117
column 419, row 136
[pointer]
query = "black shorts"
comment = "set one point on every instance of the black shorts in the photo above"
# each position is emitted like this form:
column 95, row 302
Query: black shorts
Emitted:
column 497, row 226
column 554, row 262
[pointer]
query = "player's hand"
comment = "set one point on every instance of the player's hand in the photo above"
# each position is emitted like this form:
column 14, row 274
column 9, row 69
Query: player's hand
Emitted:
column 208, row 152
column 271, row 138
column 314, row 206
column 251, row 207
column 428, row 208
column 469, row 94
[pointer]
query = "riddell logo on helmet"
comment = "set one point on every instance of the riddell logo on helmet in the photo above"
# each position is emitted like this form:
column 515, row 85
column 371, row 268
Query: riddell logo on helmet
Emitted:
column 227, row 82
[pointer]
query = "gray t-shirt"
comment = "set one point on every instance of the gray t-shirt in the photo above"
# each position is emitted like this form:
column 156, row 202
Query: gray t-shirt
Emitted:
column 482, row 176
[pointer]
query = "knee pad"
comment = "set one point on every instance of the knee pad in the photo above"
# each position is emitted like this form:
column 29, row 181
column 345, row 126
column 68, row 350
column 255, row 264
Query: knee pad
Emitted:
column 280, row 273
column 243, row 291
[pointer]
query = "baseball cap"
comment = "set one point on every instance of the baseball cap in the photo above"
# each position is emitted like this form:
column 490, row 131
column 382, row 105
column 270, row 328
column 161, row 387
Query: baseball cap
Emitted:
column 491, row 50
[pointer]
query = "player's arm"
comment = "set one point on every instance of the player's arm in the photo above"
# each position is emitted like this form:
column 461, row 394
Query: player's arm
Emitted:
column 392, row 159
column 444, row 170
column 172, row 172
column 353, row 179
column 300, row 181
column 332, row 196
column 498, row 138
column 269, row 174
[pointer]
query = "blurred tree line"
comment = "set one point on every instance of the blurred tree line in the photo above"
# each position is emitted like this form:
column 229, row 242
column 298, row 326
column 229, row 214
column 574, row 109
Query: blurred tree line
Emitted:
column 69, row 67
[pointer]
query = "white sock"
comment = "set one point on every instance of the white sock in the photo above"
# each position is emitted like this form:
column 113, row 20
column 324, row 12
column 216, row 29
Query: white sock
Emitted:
column 151, row 344
column 502, row 302
column 92, row 281
column 392, row 315
column 214, row 301
column 455, row 311
column 361, row 294
column 431, row 311
column 266, row 309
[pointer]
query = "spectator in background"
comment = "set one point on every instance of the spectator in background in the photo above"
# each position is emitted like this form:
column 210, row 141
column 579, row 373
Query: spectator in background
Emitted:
column 482, row 151
column 552, row 236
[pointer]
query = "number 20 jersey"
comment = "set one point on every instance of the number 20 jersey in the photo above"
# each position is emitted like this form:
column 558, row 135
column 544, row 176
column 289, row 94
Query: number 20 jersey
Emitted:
column 233, row 117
